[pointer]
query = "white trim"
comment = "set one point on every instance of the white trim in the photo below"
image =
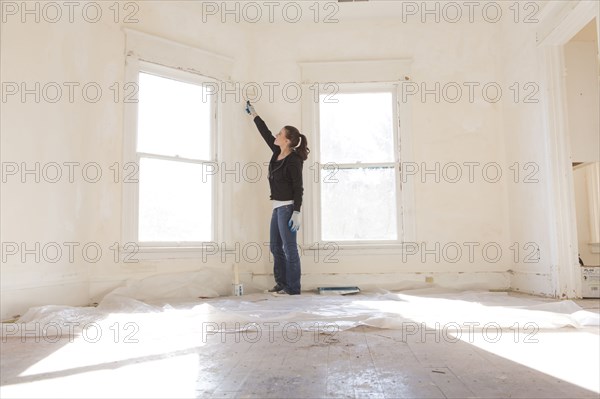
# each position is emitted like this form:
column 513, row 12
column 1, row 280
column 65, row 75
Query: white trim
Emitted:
column 560, row 21
column 174, row 73
column 154, row 251
column 397, row 162
column 408, row 205
column 310, row 118
column 129, row 215
column 213, row 249
column 175, row 158
column 158, row 50
column 355, row 71
column 562, row 205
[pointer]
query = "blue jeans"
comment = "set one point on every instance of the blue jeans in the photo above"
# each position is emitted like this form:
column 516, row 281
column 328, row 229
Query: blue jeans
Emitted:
column 285, row 250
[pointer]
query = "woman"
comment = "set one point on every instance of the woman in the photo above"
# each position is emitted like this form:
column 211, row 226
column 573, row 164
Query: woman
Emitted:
column 285, row 180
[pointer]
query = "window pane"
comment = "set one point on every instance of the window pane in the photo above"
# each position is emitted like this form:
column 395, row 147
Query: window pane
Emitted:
column 175, row 203
column 357, row 128
column 173, row 118
column 359, row 205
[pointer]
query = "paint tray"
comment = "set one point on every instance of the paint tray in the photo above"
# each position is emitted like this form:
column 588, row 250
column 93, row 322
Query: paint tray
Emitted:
column 338, row 290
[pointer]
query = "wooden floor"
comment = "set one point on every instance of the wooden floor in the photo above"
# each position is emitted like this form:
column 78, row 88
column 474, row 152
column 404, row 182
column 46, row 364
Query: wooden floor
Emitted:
column 285, row 362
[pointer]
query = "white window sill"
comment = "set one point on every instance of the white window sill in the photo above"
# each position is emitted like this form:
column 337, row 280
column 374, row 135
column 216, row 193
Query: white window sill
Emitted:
column 203, row 252
column 219, row 254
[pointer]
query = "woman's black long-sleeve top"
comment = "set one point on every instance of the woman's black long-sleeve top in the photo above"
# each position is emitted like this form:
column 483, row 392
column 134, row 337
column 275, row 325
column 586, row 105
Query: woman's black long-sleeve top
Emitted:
column 285, row 176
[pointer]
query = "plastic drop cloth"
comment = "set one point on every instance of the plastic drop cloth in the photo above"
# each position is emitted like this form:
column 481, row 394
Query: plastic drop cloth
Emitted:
column 184, row 303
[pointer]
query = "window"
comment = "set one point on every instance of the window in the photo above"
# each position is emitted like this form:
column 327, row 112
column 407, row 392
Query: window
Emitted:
column 359, row 133
column 173, row 204
column 358, row 160
column 174, row 143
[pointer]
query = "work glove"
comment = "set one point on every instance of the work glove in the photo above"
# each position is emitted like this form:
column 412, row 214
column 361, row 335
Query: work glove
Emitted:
column 294, row 222
column 249, row 108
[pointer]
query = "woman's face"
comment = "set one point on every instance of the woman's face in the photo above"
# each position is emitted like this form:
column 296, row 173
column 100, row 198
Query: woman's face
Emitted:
column 281, row 140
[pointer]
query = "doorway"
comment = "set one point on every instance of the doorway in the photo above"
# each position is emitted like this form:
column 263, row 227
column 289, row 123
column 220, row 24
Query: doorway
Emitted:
column 568, row 43
column 582, row 98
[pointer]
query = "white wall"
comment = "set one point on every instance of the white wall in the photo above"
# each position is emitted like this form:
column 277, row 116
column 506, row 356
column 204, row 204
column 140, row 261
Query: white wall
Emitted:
column 84, row 132
column 581, row 180
column 479, row 212
column 527, row 146
column 583, row 96
column 445, row 212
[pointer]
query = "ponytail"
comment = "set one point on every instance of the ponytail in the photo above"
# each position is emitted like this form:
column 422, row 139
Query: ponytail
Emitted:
column 299, row 144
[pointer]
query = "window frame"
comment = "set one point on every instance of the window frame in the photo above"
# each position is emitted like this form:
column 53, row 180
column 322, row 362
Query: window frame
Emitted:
column 404, row 191
column 159, row 56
